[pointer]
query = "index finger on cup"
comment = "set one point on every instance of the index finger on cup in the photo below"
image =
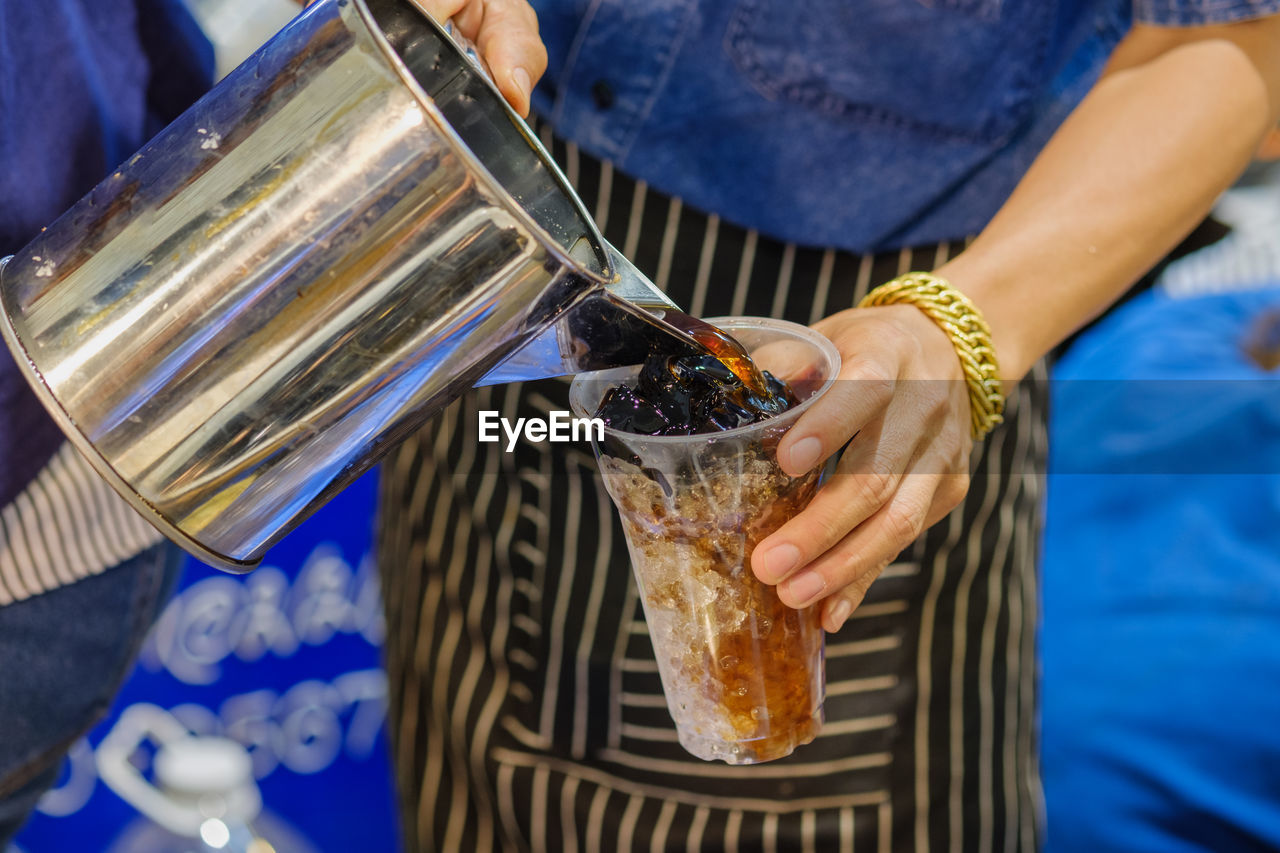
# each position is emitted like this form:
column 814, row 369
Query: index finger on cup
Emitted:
column 860, row 394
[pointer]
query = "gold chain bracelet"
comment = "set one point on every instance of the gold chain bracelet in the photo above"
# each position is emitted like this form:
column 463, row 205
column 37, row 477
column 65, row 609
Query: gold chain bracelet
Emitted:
column 956, row 315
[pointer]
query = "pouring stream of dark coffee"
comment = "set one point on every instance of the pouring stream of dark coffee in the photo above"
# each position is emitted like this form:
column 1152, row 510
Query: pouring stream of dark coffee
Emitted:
column 723, row 346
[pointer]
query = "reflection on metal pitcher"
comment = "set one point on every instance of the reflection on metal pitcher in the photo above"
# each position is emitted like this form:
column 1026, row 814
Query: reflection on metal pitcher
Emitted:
column 344, row 235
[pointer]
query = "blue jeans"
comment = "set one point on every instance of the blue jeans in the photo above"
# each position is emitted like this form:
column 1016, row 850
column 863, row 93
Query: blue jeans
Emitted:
column 63, row 656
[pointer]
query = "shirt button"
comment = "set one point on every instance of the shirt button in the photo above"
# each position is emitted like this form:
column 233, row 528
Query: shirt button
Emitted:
column 602, row 94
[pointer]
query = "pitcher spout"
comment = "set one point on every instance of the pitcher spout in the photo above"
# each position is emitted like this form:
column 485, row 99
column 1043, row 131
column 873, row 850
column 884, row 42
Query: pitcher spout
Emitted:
column 614, row 326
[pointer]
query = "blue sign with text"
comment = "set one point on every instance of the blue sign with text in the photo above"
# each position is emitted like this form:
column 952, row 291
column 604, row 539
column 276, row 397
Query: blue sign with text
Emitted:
column 284, row 660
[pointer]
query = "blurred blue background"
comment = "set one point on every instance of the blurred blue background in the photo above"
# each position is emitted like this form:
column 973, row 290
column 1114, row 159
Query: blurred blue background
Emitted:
column 1161, row 636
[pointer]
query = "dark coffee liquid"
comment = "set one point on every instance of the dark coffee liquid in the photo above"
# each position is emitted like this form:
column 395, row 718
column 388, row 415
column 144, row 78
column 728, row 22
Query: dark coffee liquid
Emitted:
column 724, row 347
column 689, row 394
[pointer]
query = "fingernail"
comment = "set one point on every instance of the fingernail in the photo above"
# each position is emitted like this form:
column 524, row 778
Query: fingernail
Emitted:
column 777, row 561
column 805, row 587
column 839, row 613
column 805, row 453
column 520, row 78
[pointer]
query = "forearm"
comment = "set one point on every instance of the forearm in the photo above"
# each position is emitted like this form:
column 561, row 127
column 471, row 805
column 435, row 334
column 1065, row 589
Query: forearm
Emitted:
column 1131, row 171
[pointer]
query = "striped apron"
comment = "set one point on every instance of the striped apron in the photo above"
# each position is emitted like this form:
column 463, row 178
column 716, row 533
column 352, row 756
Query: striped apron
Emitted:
column 526, row 709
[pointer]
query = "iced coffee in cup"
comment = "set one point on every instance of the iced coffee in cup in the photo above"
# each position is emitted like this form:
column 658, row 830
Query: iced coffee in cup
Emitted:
column 689, row 458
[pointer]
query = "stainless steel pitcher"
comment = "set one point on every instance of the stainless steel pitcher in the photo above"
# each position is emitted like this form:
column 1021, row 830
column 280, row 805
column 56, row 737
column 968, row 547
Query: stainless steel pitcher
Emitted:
column 345, row 234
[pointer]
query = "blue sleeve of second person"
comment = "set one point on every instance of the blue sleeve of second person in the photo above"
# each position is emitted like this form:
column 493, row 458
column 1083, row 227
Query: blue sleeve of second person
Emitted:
column 1190, row 13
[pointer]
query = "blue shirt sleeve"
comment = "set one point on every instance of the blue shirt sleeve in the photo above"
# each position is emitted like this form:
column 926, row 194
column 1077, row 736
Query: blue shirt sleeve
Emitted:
column 1190, row 13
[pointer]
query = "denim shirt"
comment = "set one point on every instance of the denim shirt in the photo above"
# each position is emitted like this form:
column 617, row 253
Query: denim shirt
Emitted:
column 77, row 96
column 857, row 124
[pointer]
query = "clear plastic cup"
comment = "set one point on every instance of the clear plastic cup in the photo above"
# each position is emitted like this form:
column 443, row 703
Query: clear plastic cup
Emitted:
column 743, row 673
